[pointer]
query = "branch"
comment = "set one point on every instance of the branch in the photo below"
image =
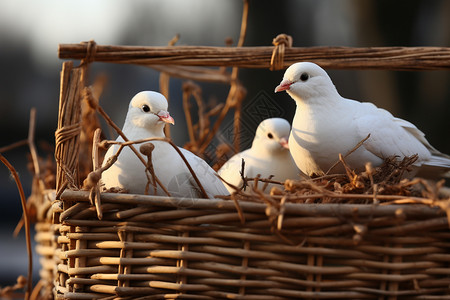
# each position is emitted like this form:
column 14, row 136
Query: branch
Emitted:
column 27, row 223
column 386, row 58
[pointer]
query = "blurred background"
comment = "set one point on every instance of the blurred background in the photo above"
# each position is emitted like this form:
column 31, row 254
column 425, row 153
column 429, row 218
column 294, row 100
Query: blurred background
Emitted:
column 30, row 32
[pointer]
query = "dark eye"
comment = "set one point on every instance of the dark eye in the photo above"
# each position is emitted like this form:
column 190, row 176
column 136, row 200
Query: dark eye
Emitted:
column 145, row 108
column 304, row 77
column 270, row 136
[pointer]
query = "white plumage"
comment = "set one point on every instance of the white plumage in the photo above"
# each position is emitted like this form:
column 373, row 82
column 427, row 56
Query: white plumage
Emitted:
column 147, row 114
column 269, row 155
column 326, row 124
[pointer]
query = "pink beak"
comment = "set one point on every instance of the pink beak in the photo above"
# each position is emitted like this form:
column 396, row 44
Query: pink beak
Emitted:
column 165, row 117
column 283, row 86
column 284, row 142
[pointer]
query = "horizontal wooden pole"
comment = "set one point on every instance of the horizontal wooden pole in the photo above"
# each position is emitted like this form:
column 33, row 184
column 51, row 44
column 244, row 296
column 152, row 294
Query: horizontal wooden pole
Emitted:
column 390, row 58
column 290, row 208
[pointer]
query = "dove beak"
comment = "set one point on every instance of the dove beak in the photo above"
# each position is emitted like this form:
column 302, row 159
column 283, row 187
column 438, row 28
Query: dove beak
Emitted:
column 283, row 86
column 165, row 117
column 284, row 142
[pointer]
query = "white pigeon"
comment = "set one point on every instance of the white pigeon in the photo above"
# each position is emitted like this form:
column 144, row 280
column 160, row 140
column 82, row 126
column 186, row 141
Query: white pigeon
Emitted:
column 146, row 117
column 326, row 124
column 269, row 155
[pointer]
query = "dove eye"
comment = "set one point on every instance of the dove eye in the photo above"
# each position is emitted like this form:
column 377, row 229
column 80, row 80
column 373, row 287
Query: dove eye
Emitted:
column 304, row 77
column 145, row 108
column 270, row 136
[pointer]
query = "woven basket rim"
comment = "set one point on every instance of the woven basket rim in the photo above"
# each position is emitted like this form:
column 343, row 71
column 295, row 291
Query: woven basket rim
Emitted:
column 313, row 209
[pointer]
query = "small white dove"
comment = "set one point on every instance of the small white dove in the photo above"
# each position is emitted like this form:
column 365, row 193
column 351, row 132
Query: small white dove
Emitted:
column 269, row 155
column 326, row 124
column 146, row 117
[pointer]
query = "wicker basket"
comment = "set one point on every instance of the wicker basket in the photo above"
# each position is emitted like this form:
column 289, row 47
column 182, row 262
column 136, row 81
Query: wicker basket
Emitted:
column 160, row 248
column 45, row 238
column 151, row 247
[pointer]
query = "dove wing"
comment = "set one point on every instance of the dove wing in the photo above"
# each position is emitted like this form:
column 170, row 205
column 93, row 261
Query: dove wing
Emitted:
column 389, row 135
column 207, row 176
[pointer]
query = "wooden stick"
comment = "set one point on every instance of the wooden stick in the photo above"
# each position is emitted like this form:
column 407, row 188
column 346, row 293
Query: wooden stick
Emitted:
column 187, row 92
column 33, row 150
column 387, row 58
column 312, row 209
column 194, row 73
column 27, row 223
column 13, row 146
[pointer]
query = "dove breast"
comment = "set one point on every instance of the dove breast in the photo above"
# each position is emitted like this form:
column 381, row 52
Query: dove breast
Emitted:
column 268, row 156
column 146, row 117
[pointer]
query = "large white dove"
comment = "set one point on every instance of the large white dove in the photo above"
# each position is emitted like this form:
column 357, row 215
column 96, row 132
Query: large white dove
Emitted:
column 269, row 155
column 326, row 124
column 146, row 117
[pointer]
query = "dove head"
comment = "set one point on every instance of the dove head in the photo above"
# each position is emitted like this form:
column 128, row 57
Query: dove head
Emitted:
column 272, row 136
column 148, row 110
column 306, row 80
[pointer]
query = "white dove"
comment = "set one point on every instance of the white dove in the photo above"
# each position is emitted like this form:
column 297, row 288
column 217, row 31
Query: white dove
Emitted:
column 326, row 124
column 269, row 155
column 146, row 117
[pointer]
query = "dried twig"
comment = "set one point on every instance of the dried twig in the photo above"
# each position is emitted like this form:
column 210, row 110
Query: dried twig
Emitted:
column 9, row 292
column 95, row 190
column 32, row 146
column 26, row 222
column 348, row 153
column 147, row 150
column 13, row 146
column 191, row 89
column 242, row 173
column 35, row 160
column 195, row 73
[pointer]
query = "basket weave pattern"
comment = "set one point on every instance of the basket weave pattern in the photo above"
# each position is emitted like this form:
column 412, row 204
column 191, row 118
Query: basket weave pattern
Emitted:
column 199, row 249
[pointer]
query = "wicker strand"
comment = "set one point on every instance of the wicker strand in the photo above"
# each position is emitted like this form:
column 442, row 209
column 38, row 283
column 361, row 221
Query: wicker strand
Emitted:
column 91, row 50
column 281, row 42
column 67, row 134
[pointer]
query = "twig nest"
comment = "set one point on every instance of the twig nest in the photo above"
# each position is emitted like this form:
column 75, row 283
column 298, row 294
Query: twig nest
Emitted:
column 146, row 149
